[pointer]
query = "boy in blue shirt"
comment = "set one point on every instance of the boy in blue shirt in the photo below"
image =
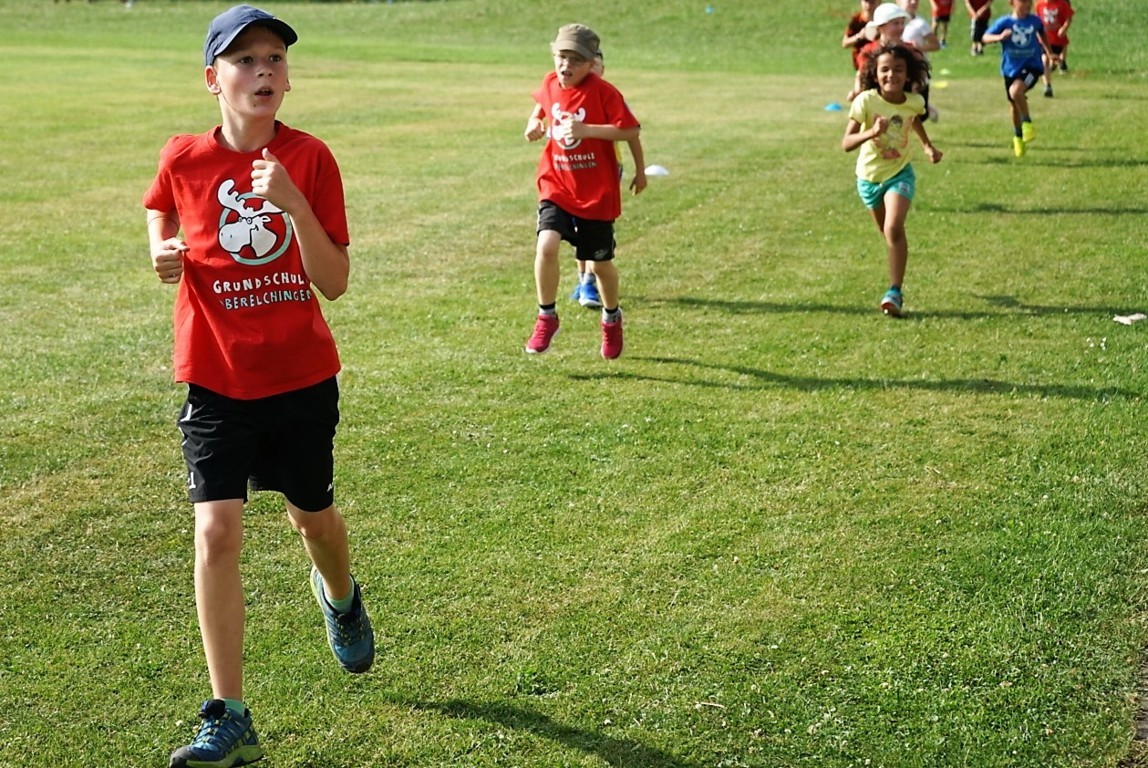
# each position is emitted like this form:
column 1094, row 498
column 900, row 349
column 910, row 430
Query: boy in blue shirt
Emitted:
column 1023, row 41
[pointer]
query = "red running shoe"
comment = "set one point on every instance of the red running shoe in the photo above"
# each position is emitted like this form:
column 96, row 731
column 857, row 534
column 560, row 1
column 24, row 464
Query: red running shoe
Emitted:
column 544, row 329
column 612, row 339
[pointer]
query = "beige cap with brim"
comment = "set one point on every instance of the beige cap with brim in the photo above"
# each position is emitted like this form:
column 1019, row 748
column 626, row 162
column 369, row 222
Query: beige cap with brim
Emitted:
column 578, row 38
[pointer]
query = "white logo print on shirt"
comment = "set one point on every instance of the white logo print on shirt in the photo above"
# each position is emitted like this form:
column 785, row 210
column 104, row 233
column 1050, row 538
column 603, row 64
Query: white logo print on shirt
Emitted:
column 251, row 237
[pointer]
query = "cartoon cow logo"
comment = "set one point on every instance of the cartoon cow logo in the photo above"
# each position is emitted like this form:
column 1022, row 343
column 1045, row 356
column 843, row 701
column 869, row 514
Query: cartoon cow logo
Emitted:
column 560, row 122
column 252, row 237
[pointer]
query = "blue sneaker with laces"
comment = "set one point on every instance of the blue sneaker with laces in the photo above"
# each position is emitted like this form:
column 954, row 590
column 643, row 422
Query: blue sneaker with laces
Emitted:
column 349, row 634
column 589, row 295
column 225, row 740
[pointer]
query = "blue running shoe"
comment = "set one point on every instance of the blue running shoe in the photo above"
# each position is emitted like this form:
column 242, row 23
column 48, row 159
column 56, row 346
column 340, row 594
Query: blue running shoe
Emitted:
column 577, row 292
column 349, row 634
column 590, row 297
column 225, row 740
column 892, row 302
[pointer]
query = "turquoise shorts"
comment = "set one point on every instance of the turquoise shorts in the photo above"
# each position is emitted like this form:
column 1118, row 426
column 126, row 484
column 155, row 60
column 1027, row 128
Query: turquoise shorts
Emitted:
column 904, row 184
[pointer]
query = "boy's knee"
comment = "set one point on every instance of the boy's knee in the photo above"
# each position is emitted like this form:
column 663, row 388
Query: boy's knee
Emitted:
column 317, row 525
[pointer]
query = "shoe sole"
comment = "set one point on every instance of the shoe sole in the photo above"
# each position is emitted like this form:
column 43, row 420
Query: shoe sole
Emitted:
column 247, row 755
column 530, row 351
column 591, row 303
column 890, row 309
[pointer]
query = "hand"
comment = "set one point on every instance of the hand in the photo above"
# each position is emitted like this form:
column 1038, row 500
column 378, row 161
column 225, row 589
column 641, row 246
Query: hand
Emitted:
column 1006, row 34
column 638, row 183
column 933, row 154
column 535, row 129
column 270, row 180
column 167, row 260
column 880, row 125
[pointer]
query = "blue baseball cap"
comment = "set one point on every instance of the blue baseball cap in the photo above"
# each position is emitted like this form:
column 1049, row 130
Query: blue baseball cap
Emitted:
column 228, row 25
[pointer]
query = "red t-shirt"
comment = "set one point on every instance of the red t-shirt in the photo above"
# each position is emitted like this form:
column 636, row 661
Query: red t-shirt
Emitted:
column 581, row 177
column 247, row 323
column 856, row 24
column 942, row 7
column 1054, row 14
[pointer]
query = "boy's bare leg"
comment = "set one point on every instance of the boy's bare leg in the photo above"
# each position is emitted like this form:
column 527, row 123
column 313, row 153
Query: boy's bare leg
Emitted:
column 608, row 283
column 219, row 593
column 546, row 272
column 325, row 539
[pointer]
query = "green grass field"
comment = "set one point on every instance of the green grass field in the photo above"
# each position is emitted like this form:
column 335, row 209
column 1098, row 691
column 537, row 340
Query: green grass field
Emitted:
column 781, row 530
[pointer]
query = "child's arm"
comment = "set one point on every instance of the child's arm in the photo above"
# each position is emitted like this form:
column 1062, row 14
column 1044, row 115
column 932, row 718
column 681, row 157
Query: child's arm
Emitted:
column 167, row 250
column 931, row 152
column 535, row 124
column 576, row 130
column 1042, row 38
column 997, row 37
column 638, row 183
column 855, row 137
column 326, row 263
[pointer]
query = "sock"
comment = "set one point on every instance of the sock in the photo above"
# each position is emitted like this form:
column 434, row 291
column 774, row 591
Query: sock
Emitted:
column 236, row 706
column 587, row 277
column 344, row 605
column 611, row 315
column 547, row 309
column 1019, row 134
column 895, row 288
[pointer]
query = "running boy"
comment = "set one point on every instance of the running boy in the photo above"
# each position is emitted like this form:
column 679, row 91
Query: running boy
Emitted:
column 880, row 121
column 1056, row 15
column 980, row 13
column 942, row 15
column 1023, row 45
column 578, row 190
column 260, row 208
column 586, row 288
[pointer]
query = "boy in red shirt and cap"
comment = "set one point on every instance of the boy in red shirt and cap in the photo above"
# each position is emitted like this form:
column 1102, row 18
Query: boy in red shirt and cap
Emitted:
column 260, row 210
column 579, row 196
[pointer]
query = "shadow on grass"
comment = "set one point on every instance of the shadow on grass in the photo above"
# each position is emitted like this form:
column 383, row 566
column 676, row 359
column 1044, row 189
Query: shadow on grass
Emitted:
column 615, row 752
column 1006, row 306
column 767, row 379
column 987, row 207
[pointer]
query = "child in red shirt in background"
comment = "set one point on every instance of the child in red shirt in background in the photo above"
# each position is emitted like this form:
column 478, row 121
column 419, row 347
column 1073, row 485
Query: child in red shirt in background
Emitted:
column 942, row 14
column 1056, row 16
column 980, row 15
column 855, row 36
column 578, row 191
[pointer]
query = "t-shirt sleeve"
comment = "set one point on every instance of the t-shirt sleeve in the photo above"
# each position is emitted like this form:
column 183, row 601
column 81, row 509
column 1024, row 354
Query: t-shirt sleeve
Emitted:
column 859, row 109
column 160, row 196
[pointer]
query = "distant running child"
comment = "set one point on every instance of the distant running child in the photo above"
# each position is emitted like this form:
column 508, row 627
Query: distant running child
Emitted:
column 578, row 190
column 942, row 15
column 980, row 13
column 1023, row 48
column 1056, row 15
column 881, row 120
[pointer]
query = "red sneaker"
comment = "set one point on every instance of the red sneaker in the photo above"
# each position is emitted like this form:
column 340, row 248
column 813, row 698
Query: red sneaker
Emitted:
column 612, row 339
column 544, row 329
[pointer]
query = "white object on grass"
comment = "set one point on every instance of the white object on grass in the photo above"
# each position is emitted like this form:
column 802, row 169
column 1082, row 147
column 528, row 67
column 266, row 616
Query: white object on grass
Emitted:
column 656, row 170
column 1130, row 319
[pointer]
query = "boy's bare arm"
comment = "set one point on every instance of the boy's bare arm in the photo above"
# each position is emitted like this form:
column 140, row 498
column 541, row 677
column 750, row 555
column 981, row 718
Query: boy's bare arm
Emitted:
column 638, row 183
column 167, row 250
column 326, row 263
column 578, row 130
column 535, row 124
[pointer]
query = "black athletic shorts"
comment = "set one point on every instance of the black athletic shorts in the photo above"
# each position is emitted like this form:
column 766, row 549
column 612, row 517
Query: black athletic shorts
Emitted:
column 593, row 240
column 282, row 443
